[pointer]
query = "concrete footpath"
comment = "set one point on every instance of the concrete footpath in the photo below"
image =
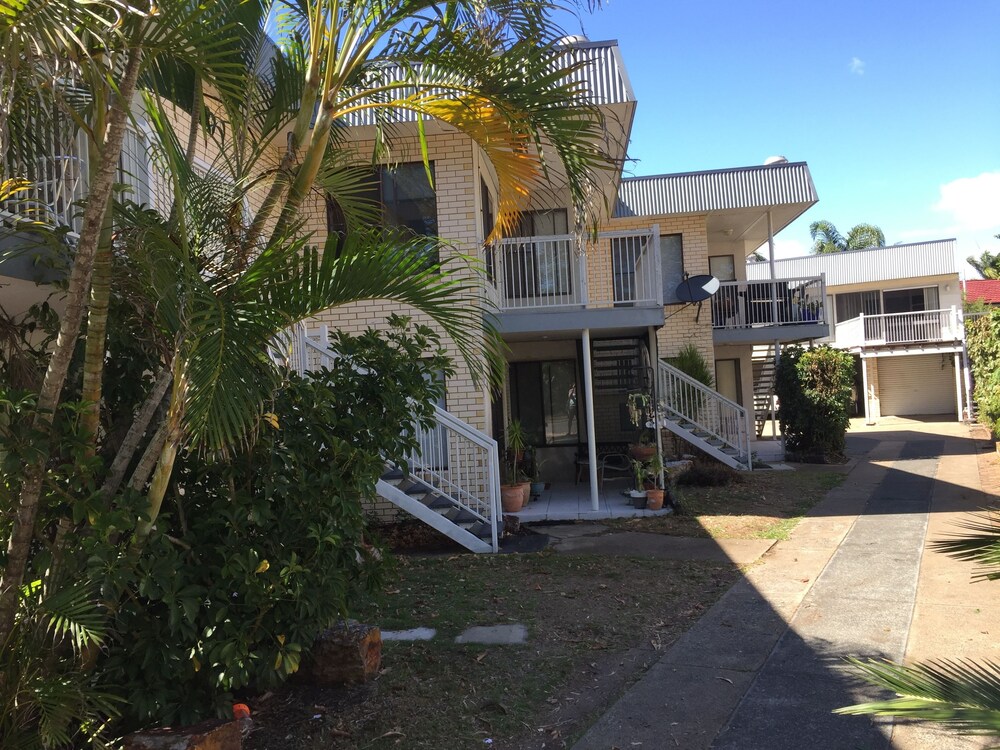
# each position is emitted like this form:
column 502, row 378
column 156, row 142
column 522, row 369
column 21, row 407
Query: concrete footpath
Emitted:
column 764, row 668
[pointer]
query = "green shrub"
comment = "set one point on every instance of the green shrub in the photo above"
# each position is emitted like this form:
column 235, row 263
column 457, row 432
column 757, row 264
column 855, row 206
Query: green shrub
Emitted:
column 254, row 554
column 691, row 362
column 983, row 342
column 814, row 396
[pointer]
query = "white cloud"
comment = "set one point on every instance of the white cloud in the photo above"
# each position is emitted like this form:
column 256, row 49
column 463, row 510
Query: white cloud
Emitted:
column 972, row 202
column 857, row 66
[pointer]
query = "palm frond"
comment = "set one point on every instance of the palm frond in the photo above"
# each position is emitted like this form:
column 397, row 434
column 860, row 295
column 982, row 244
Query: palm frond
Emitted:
column 962, row 694
column 978, row 543
column 864, row 236
column 826, row 238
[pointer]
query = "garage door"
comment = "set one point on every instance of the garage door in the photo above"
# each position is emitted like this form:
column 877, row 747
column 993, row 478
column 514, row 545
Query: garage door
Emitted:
column 922, row 384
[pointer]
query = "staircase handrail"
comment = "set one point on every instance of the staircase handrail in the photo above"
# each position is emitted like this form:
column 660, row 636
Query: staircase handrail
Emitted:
column 740, row 442
column 486, row 508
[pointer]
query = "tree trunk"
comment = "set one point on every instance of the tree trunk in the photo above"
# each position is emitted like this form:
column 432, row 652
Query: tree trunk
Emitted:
column 168, row 453
column 22, row 531
column 130, row 443
column 148, row 459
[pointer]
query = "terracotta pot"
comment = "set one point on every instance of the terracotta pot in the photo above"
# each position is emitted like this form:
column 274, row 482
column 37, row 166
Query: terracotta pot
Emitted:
column 654, row 499
column 641, row 452
column 525, row 488
column 511, row 497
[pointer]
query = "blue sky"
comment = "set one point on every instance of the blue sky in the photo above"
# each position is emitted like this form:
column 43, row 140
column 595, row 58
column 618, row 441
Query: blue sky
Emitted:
column 895, row 106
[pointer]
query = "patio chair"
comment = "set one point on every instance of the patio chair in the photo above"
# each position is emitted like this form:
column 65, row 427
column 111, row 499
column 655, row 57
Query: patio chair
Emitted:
column 616, row 463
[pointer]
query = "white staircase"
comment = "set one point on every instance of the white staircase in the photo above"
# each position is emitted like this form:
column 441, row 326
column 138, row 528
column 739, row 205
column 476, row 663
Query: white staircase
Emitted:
column 451, row 482
column 703, row 417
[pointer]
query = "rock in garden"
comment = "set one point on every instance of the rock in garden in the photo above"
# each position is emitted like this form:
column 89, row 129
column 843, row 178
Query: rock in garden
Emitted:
column 346, row 653
column 214, row 734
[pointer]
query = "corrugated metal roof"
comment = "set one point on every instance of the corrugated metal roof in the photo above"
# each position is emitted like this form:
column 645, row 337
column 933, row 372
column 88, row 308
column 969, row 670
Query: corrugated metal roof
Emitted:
column 716, row 190
column 865, row 266
column 601, row 70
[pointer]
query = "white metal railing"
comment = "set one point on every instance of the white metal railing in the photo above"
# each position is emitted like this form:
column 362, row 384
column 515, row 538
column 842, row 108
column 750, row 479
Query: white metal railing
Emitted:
column 924, row 327
column 454, row 458
column 615, row 269
column 681, row 397
column 773, row 302
column 58, row 181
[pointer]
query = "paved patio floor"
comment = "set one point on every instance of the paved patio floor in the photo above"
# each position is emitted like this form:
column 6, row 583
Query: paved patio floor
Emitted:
column 565, row 501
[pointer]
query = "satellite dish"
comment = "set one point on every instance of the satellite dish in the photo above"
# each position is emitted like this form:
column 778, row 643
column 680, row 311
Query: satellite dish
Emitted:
column 697, row 288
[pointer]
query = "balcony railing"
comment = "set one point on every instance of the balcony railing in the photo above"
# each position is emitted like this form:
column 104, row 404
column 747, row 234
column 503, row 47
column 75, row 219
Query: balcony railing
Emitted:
column 563, row 272
column 924, row 327
column 775, row 302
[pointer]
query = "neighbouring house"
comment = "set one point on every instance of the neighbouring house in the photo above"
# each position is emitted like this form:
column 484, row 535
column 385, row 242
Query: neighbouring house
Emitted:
column 898, row 310
column 986, row 291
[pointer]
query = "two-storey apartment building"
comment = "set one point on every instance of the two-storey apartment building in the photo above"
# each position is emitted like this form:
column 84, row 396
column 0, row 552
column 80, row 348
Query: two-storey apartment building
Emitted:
column 588, row 318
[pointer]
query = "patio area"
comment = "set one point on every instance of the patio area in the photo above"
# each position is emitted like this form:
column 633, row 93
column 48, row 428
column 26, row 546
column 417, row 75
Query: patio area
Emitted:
column 564, row 501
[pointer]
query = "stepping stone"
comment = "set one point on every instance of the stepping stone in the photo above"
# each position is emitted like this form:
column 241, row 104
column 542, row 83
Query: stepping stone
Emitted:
column 495, row 634
column 413, row 634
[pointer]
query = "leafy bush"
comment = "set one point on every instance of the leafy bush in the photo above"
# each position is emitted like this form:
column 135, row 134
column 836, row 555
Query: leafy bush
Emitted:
column 263, row 549
column 814, row 396
column 982, row 337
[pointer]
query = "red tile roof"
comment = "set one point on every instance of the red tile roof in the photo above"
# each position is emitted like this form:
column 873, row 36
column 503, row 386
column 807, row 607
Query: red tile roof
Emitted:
column 987, row 290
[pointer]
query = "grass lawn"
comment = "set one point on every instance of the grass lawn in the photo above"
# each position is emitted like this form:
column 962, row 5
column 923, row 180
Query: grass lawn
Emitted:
column 760, row 505
column 594, row 624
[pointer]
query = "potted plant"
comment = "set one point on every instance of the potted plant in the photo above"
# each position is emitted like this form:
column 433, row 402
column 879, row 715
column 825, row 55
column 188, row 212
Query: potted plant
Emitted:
column 515, row 439
column 638, row 411
column 533, row 469
column 654, row 496
column 638, row 495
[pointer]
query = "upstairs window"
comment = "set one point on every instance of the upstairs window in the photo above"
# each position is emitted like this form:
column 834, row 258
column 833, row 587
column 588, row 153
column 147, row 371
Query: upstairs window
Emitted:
column 406, row 196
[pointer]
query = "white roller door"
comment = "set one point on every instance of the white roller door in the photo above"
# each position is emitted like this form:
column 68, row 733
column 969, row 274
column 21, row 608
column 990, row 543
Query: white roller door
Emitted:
column 921, row 384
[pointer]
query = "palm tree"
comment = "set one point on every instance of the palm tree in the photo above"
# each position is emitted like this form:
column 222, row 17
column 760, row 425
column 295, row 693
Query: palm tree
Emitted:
column 487, row 67
column 56, row 55
column 963, row 694
column 826, row 238
column 987, row 265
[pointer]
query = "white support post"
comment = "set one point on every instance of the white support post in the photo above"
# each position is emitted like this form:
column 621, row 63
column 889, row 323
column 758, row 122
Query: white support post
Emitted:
column 774, row 285
column 654, row 356
column 658, row 278
column 864, row 386
column 774, row 411
column 958, row 385
column 588, row 395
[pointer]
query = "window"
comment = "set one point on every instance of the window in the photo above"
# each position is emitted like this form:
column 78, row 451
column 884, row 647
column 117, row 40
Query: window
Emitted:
column 671, row 266
column 544, row 398
column 910, row 300
column 407, row 197
column 853, row 304
column 486, row 207
column 542, row 223
column 540, row 269
column 133, row 169
column 722, row 267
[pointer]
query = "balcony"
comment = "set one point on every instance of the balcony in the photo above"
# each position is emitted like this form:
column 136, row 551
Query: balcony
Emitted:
column 565, row 282
column 775, row 309
column 928, row 329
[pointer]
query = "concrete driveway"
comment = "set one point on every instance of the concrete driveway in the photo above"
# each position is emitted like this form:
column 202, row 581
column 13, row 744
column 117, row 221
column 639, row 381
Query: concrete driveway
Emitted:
column 764, row 668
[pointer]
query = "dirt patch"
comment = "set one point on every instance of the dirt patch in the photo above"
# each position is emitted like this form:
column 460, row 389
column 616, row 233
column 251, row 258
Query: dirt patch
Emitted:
column 594, row 625
column 762, row 505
